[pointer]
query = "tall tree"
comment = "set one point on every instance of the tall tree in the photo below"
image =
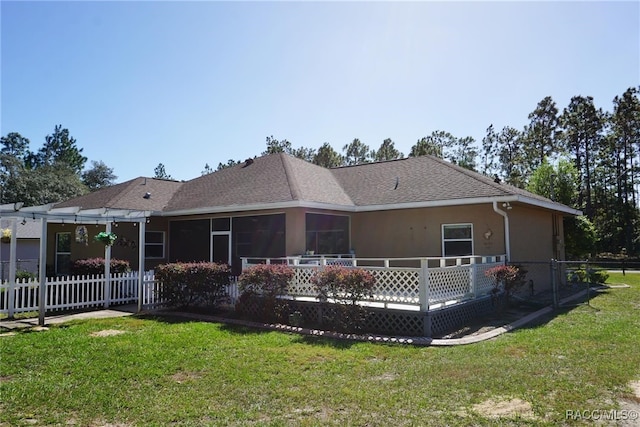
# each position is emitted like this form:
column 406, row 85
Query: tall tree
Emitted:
column 510, row 162
column 582, row 126
column 356, row 153
column 490, row 165
column 59, row 147
column 542, row 134
column 13, row 152
column 463, row 153
column 306, row 154
column 327, row 157
column 47, row 184
column 207, row 169
column 561, row 184
column 160, row 172
column 623, row 149
column 387, row 151
column 15, row 145
column 558, row 183
column 425, row 147
column 276, row 146
column 98, row 176
column 229, row 164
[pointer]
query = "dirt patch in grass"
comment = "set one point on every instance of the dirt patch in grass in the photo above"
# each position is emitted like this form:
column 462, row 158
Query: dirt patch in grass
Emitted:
column 505, row 408
column 107, row 333
column 181, row 377
column 631, row 404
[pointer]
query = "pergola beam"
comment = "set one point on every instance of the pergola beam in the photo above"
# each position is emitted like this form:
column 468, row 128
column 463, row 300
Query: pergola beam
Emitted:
column 75, row 215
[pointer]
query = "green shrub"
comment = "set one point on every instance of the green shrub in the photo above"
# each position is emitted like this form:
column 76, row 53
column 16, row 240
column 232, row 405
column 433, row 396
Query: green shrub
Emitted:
column 193, row 284
column 587, row 275
column 345, row 287
column 25, row 275
column 95, row 266
column 262, row 287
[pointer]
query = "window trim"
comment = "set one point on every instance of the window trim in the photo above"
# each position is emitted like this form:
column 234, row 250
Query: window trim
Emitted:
column 316, row 231
column 443, row 240
column 147, row 243
column 58, row 253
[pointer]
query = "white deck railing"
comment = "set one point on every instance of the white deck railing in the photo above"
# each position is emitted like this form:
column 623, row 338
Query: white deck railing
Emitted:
column 412, row 283
column 415, row 283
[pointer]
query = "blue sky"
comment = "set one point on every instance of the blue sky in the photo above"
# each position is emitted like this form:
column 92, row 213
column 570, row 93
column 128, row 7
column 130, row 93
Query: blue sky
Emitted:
column 184, row 84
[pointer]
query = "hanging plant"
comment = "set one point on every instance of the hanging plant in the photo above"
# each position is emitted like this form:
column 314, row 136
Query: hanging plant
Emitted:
column 106, row 239
column 5, row 235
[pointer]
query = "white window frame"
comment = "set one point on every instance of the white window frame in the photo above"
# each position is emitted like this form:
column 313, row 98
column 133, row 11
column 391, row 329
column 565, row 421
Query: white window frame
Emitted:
column 147, row 243
column 470, row 225
column 58, row 253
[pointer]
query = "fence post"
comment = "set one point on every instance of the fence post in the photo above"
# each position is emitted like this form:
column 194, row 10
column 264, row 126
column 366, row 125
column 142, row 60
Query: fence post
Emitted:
column 12, row 267
column 423, row 296
column 42, row 292
column 107, row 269
column 474, row 281
column 554, row 282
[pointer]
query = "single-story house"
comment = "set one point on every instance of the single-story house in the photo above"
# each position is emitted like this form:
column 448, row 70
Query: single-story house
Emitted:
column 278, row 205
column 27, row 247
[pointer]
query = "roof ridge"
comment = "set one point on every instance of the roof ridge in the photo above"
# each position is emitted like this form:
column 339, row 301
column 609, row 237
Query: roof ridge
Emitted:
column 294, row 188
column 129, row 185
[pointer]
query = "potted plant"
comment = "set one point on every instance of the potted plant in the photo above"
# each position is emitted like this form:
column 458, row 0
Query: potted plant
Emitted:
column 105, row 238
column 5, row 235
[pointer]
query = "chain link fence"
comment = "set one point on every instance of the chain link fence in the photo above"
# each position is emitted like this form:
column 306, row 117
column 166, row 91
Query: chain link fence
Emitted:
column 549, row 283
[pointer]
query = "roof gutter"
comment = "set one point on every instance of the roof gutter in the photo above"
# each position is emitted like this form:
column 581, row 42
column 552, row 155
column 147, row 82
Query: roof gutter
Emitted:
column 369, row 208
column 507, row 236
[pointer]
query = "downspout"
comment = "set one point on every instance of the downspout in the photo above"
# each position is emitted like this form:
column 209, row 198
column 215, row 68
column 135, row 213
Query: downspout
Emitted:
column 507, row 237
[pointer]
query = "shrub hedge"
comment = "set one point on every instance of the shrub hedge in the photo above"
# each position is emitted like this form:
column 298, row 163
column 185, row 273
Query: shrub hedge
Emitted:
column 194, row 283
column 345, row 287
column 94, row 266
column 261, row 287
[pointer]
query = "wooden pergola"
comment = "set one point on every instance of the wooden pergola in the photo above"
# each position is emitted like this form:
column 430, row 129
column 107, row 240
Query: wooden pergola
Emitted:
column 71, row 215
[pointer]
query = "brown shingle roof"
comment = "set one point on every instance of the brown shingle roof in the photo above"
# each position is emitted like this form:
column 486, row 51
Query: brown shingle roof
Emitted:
column 418, row 179
column 274, row 178
column 129, row 195
column 283, row 179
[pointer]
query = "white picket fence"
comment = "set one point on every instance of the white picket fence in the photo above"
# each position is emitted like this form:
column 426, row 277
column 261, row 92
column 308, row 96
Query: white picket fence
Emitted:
column 78, row 292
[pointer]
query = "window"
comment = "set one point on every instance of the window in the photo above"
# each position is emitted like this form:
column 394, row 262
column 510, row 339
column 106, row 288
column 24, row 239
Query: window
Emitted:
column 259, row 236
column 189, row 240
column 154, row 244
column 327, row 234
column 63, row 253
column 221, row 224
column 457, row 239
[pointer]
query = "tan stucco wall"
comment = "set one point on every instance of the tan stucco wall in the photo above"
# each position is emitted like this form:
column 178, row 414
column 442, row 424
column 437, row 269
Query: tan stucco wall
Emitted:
column 417, row 232
column 531, row 234
column 534, row 243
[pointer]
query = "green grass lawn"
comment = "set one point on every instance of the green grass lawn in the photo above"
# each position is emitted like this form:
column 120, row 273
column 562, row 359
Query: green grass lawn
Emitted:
column 161, row 372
